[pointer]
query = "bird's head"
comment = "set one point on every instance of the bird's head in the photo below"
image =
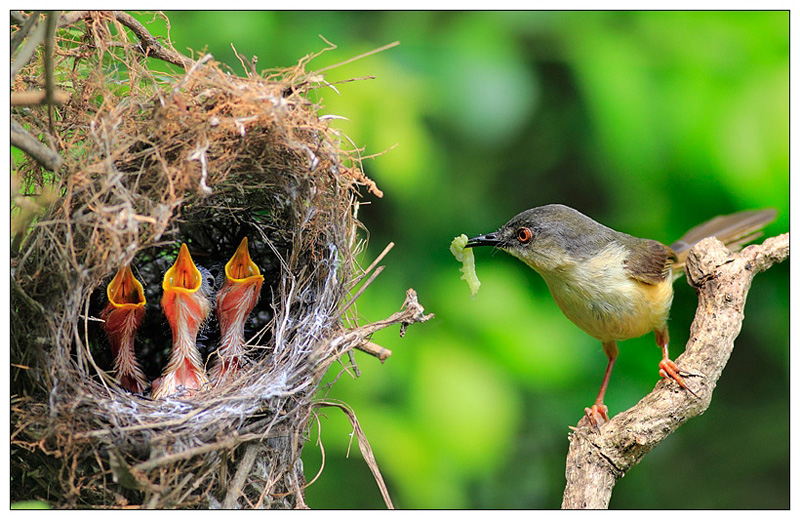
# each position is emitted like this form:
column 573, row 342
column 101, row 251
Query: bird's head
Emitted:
column 548, row 237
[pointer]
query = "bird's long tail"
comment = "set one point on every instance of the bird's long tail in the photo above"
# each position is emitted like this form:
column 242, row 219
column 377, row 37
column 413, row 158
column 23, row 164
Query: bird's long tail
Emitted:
column 732, row 230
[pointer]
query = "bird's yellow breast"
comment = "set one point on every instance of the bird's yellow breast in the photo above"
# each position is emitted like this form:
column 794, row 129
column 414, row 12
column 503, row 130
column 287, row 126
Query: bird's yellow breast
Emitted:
column 600, row 297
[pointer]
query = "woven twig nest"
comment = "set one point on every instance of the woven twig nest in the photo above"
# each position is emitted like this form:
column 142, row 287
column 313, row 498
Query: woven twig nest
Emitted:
column 153, row 161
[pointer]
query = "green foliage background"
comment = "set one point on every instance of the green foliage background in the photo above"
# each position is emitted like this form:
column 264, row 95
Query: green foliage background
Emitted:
column 649, row 122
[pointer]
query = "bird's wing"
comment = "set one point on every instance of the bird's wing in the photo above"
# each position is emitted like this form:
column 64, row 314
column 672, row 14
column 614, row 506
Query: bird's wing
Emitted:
column 649, row 261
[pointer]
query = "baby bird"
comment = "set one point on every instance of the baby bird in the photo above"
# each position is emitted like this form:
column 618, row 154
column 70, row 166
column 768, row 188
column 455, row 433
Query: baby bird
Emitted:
column 235, row 301
column 186, row 305
column 122, row 317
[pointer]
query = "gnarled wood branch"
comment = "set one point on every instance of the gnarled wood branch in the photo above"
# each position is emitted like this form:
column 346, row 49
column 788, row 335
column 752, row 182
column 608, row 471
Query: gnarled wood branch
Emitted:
column 597, row 459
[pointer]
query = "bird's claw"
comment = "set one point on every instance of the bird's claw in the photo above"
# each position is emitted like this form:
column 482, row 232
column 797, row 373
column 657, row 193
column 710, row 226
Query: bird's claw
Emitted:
column 668, row 369
column 597, row 415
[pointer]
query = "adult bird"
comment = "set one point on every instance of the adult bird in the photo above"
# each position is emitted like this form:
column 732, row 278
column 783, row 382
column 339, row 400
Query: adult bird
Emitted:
column 612, row 285
column 122, row 316
column 186, row 304
column 235, row 302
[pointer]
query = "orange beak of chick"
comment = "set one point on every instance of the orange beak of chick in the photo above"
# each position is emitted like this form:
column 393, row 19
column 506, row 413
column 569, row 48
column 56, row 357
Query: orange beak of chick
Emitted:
column 241, row 268
column 125, row 291
column 183, row 277
column 122, row 316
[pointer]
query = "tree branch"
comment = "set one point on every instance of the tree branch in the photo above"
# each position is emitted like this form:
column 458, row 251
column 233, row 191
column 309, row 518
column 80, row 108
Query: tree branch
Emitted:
column 20, row 138
column 150, row 45
column 597, row 459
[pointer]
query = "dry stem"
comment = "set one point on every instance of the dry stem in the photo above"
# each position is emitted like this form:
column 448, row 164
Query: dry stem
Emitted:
column 363, row 444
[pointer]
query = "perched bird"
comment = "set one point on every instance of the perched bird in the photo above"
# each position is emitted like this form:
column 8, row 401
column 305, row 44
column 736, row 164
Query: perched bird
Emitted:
column 235, row 301
column 186, row 304
column 612, row 285
column 122, row 317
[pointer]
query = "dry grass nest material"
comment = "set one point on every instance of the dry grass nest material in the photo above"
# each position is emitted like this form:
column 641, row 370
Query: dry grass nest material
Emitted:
column 153, row 160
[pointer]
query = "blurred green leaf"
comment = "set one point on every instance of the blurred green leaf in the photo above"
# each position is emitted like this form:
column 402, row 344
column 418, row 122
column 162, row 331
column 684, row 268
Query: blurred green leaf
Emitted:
column 30, row 504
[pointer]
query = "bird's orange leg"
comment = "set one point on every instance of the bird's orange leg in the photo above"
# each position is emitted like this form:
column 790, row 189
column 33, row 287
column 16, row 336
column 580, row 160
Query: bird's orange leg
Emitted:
column 667, row 368
column 598, row 412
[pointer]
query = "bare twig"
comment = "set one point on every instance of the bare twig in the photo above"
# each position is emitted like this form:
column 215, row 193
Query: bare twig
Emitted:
column 49, row 81
column 27, row 22
column 412, row 312
column 37, row 97
column 361, row 290
column 366, row 284
column 71, row 17
column 35, row 148
column 249, row 66
column 385, row 251
column 368, row 347
column 355, row 58
column 235, row 489
column 29, row 49
column 150, row 44
column 376, row 350
column 597, row 459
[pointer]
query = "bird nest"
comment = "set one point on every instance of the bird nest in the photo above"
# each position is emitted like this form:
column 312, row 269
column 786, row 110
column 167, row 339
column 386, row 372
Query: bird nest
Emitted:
column 150, row 161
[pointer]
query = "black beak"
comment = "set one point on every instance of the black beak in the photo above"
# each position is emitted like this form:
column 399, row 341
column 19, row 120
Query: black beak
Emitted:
column 490, row 239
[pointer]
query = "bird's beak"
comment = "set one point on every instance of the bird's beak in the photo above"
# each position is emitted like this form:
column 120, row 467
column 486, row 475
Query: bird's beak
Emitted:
column 490, row 239
column 183, row 276
column 124, row 290
column 240, row 267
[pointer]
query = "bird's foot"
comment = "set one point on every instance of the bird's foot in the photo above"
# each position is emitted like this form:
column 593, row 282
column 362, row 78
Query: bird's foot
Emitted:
column 597, row 415
column 181, row 384
column 669, row 370
column 227, row 369
column 162, row 390
column 133, row 383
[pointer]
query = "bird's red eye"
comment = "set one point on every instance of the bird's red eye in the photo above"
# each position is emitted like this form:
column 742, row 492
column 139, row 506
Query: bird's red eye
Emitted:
column 524, row 235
